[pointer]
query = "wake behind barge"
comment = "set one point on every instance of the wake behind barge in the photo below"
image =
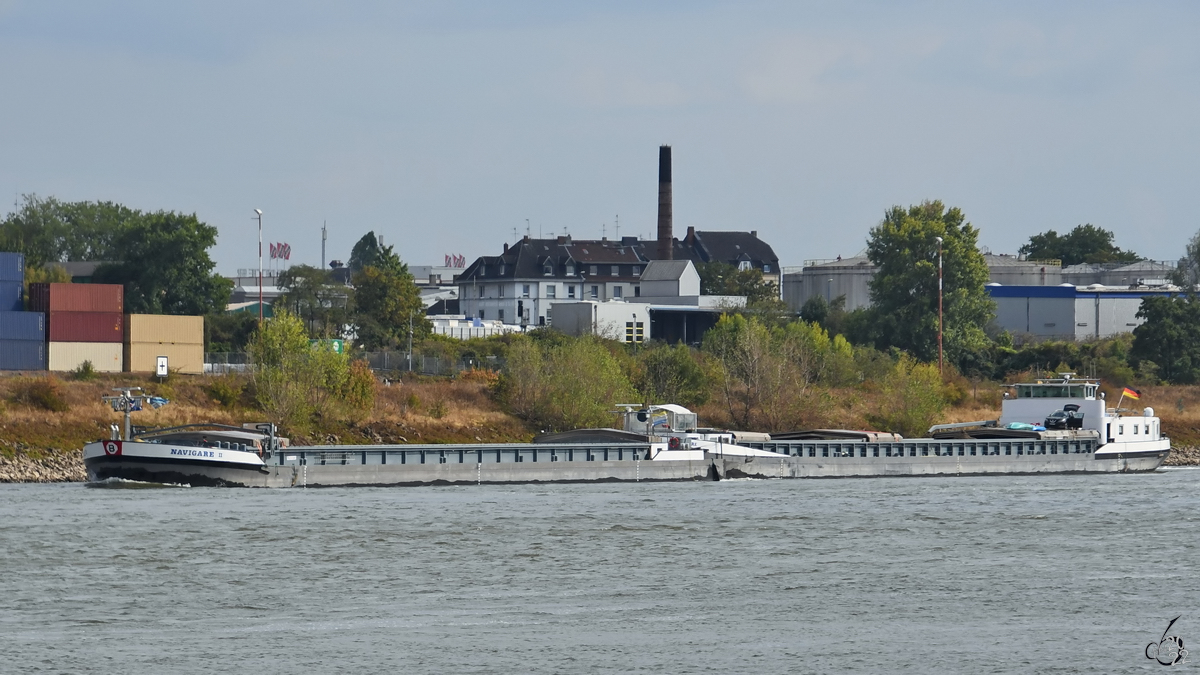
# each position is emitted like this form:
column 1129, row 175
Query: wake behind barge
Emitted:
column 663, row 443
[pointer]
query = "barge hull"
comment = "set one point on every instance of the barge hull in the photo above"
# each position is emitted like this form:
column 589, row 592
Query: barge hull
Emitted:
column 174, row 472
column 384, row 475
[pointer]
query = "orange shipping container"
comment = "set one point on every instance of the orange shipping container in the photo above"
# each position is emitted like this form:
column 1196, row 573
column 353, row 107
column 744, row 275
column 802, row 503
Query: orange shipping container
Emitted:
column 142, row 357
column 164, row 328
column 86, row 327
column 76, row 298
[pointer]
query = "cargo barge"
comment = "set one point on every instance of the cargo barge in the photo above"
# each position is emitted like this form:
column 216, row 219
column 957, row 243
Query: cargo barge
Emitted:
column 1074, row 433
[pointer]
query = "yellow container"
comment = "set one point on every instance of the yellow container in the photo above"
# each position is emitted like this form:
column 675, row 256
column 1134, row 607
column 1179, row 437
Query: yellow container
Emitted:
column 106, row 357
column 142, row 357
column 187, row 330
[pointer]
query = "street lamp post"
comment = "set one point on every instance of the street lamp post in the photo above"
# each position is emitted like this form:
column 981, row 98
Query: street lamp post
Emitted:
column 258, row 214
column 940, row 325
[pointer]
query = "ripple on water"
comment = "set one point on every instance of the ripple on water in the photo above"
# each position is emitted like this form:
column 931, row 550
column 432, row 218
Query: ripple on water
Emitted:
column 936, row 575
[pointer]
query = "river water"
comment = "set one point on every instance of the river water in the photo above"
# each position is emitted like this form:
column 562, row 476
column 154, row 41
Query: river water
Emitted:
column 987, row 575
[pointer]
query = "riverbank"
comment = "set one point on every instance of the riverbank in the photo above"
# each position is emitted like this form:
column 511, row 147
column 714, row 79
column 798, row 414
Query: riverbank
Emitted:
column 44, row 422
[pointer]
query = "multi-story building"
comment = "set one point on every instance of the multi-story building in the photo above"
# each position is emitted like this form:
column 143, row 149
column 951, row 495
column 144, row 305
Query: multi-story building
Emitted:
column 519, row 285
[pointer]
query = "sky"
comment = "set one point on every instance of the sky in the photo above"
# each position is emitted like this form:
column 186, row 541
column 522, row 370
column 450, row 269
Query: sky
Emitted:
column 454, row 127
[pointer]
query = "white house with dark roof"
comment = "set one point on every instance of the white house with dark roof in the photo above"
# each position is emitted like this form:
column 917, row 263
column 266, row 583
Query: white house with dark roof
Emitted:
column 519, row 285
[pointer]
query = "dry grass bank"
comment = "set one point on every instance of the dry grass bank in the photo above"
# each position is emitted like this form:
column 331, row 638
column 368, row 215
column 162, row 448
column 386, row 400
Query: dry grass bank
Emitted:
column 420, row 411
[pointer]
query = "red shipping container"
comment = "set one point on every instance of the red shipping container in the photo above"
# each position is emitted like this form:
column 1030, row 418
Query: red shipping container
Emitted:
column 76, row 298
column 86, row 327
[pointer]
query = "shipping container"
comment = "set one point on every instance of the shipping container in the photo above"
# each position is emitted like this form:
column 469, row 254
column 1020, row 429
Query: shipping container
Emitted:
column 142, row 357
column 22, row 355
column 12, row 296
column 106, row 357
column 22, row 326
column 86, row 327
column 77, row 298
column 12, row 267
column 163, row 328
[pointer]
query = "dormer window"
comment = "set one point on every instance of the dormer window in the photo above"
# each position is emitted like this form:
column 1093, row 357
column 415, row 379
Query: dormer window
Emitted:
column 616, row 270
column 547, row 270
column 743, row 265
column 637, row 270
column 595, row 270
column 570, row 270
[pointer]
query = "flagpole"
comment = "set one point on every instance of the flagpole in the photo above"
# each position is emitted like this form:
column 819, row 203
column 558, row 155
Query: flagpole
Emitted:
column 1121, row 400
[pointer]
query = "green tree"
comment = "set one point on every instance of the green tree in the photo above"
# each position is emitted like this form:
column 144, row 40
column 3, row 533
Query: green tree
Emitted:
column 913, row 398
column 1170, row 337
column 49, row 230
column 1084, row 244
column 229, row 332
column 165, row 266
column 904, row 293
column 386, row 303
column 312, row 294
column 298, row 384
column 1188, row 273
column 718, row 278
column 564, row 383
column 367, row 252
column 671, row 374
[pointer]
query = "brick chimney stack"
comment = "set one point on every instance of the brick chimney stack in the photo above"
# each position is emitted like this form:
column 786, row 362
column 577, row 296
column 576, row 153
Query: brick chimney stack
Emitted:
column 665, row 247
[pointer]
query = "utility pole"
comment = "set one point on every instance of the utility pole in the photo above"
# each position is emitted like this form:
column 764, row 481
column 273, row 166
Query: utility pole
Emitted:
column 323, row 237
column 940, row 319
column 258, row 214
column 410, row 332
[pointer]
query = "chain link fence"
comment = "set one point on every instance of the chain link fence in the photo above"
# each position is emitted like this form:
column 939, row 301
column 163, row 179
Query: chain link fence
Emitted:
column 223, row 363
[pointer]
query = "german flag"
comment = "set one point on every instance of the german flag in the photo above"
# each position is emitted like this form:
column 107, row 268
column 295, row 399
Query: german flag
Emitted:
column 1132, row 393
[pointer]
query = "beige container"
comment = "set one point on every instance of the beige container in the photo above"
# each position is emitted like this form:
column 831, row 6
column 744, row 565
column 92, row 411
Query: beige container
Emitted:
column 142, row 357
column 161, row 328
column 106, row 357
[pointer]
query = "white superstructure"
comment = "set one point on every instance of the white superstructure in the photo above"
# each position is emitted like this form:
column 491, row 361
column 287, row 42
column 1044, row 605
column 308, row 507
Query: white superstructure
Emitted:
column 1082, row 406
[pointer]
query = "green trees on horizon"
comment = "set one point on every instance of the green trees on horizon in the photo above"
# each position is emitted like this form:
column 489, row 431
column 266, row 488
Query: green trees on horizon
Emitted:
column 904, row 292
column 1084, row 244
column 161, row 258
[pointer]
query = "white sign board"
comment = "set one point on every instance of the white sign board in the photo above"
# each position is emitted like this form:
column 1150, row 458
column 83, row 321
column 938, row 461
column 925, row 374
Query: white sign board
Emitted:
column 161, row 370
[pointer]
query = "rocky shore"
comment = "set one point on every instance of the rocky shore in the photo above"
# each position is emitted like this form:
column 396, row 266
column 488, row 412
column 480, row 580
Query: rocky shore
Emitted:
column 42, row 467
column 1184, row 456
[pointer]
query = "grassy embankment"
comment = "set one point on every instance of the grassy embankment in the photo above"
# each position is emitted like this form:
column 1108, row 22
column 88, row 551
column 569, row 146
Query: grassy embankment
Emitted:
column 422, row 411
column 417, row 411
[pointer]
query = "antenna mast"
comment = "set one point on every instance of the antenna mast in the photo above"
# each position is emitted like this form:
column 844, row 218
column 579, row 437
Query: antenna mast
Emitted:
column 323, row 235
